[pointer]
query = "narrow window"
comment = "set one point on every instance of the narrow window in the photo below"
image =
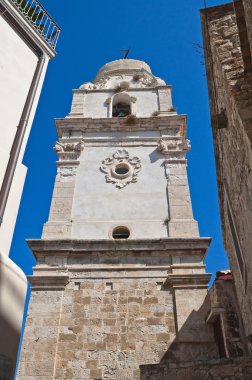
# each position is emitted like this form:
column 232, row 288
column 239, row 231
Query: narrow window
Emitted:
column 109, row 285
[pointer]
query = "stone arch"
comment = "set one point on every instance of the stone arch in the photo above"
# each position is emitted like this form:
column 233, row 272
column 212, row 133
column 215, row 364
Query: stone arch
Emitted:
column 121, row 105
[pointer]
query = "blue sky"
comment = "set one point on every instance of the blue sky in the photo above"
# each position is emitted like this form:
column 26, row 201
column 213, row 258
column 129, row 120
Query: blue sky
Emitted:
column 163, row 33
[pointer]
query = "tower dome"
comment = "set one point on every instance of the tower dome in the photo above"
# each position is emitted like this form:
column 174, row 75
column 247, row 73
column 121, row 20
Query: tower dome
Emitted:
column 121, row 88
column 123, row 65
column 131, row 70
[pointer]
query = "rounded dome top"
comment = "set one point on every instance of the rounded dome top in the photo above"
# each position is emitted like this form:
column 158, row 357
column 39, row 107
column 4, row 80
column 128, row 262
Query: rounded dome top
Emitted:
column 123, row 64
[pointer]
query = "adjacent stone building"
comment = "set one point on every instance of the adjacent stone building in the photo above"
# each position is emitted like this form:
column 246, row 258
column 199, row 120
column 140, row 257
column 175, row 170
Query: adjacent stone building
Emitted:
column 28, row 37
column 120, row 280
column 227, row 33
column 225, row 318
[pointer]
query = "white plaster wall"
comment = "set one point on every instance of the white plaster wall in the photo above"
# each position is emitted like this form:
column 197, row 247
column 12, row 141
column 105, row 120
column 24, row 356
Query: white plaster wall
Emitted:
column 17, row 66
column 99, row 206
column 95, row 103
column 11, row 210
column 146, row 103
column 34, row 108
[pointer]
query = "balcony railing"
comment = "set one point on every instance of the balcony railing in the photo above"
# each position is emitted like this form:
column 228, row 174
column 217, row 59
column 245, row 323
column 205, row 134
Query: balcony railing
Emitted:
column 37, row 16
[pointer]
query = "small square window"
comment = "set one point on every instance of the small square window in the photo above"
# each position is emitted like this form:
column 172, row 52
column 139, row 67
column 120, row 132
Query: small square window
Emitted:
column 109, row 285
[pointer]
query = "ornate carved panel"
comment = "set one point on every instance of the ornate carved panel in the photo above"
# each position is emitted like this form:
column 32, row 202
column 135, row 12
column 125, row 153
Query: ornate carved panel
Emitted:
column 68, row 153
column 121, row 169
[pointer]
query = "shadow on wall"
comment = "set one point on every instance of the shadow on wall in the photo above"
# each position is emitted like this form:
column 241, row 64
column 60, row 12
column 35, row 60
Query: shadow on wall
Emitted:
column 201, row 351
column 6, row 368
column 9, row 341
column 13, row 286
column 222, row 369
column 194, row 338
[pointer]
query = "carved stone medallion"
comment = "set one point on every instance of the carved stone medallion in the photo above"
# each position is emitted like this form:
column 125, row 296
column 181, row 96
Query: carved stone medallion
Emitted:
column 121, row 169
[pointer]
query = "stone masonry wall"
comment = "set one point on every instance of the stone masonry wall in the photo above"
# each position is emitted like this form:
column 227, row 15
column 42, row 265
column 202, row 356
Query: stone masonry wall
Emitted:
column 230, row 93
column 41, row 336
column 225, row 369
column 100, row 333
column 116, row 329
column 223, row 297
column 247, row 4
column 117, row 312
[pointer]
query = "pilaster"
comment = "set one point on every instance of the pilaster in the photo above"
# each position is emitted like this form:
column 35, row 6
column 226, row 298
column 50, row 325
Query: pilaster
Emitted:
column 180, row 219
column 59, row 223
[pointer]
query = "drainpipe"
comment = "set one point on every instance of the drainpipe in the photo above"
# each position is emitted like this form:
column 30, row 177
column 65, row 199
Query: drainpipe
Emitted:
column 19, row 137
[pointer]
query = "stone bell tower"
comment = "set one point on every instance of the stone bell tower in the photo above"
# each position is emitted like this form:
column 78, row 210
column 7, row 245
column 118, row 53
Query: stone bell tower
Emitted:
column 119, row 280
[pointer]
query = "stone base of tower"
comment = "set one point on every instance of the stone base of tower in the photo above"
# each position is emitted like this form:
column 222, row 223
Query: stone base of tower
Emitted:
column 220, row 369
column 101, row 309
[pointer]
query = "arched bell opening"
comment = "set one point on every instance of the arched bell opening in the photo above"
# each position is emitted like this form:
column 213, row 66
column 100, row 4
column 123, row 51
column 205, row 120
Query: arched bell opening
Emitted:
column 121, row 106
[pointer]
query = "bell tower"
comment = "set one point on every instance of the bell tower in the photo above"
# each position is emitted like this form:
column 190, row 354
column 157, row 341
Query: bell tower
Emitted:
column 119, row 280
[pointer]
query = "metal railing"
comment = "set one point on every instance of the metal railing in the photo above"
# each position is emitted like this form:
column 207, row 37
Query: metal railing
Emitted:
column 36, row 14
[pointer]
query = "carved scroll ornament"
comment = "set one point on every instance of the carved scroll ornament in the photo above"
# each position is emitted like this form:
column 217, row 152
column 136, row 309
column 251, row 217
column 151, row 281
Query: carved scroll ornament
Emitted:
column 166, row 146
column 68, row 151
column 69, row 147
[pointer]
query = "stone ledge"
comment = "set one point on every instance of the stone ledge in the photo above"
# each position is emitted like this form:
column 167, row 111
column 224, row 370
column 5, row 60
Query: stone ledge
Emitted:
column 214, row 313
column 110, row 90
column 77, row 246
column 111, row 124
column 179, row 281
column 53, row 282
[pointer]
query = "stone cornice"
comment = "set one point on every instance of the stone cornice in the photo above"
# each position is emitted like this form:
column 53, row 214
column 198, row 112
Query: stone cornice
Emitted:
column 106, row 268
column 82, row 124
column 132, row 141
column 109, row 90
column 48, row 282
column 179, row 281
column 172, row 246
column 221, row 9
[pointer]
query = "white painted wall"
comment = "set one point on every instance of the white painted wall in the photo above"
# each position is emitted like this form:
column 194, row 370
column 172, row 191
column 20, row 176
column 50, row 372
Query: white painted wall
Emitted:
column 11, row 210
column 158, row 204
column 17, row 66
column 94, row 104
column 99, row 206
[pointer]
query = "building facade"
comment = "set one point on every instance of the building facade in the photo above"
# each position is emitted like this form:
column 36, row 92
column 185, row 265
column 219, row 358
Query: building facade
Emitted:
column 120, row 280
column 28, row 40
column 227, row 43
